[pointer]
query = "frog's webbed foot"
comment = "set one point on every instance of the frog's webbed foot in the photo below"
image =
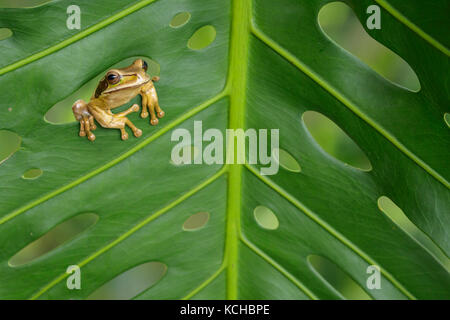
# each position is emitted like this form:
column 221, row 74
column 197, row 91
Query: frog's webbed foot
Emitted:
column 82, row 114
column 150, row 103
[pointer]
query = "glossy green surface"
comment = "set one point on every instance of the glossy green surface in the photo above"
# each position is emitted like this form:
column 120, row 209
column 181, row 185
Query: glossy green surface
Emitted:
column 382, row 60
column 261, row 75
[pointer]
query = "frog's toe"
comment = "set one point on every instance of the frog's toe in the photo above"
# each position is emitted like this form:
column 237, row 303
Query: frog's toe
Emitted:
column 135, row 108
column 124, row 136
column 91, row 136
column 144, row 114
column 160, row 114
column 91, row 123
column 154, row 122
column 137, row 133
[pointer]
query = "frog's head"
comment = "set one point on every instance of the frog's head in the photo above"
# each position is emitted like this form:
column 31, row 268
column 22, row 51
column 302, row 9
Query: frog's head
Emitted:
column 115, row 80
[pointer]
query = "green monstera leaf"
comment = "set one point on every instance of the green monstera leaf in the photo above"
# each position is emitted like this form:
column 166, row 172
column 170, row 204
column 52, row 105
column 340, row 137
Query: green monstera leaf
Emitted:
column 269, row 62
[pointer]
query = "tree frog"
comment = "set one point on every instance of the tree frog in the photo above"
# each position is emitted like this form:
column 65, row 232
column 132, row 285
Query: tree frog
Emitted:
column 115, row 89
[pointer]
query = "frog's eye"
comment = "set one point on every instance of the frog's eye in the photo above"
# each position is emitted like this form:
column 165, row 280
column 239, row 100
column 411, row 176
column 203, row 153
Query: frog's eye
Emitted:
column 144, row 65
column 113, row 78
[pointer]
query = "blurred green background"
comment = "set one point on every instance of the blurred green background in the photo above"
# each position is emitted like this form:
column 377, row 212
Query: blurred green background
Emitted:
column 22, row 3
column 339, row 22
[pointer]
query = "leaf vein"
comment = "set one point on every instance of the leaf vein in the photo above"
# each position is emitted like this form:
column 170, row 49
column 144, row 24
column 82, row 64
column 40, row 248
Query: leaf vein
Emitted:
column 113, row 162
column 76, row 37
column 346, row 102
column 278, row 267
column 205, row 283
column 400, row 17
column 134, row 229
column 313, row 216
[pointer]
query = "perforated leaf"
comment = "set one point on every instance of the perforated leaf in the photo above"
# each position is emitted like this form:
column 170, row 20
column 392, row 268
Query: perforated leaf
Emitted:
column 268, row 63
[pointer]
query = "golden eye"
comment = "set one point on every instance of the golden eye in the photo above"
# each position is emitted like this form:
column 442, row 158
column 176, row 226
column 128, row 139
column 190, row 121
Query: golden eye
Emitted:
column 144, row 65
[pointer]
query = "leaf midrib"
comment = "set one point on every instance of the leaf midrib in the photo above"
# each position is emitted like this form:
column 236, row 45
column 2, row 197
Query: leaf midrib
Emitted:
column 261, row 36
column 237, row 79
column 236, row 90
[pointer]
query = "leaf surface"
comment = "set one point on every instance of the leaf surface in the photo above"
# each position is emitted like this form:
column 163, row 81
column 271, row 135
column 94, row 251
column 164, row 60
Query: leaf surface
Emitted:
column 269, row 63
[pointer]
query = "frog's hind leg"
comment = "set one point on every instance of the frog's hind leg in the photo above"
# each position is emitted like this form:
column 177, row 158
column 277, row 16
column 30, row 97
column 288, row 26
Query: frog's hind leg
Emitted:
column 82, row 114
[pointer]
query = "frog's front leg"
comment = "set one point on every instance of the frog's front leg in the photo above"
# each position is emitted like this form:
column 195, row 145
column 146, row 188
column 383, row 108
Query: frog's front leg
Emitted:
column 137, row 132
column 82, row 114
column 150, row 102
column 107, row 119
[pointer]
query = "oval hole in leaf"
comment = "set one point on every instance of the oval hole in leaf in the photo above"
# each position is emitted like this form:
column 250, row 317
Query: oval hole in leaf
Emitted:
column 131, row 283
column 286, row 160
column 61, row 112
column 180, row 19
column 32, row 174
column 22, row 3
column 9, row 144
column 202, row 38
column 335, row 141
column 57, row 236
column 333, row 275
column 5, row 33
column 340, row 24
column 266, row 218
column 388, row 207
column 447, row 119
column 196, row 221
